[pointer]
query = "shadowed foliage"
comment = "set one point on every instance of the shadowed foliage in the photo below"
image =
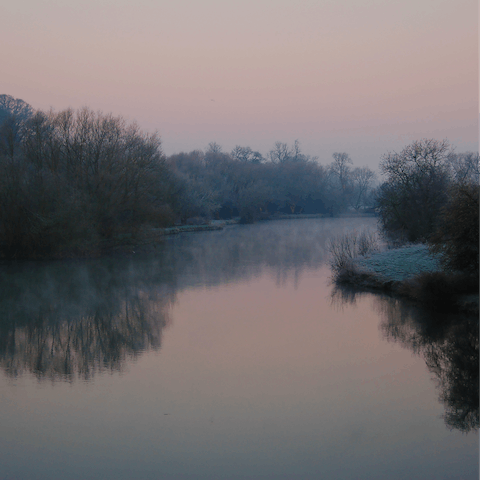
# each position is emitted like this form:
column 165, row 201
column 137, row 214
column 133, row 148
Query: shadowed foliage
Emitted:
column 72, row 181
column 447, row 342
column 62, row 322
column 415, row 190
column 80, row 183
column 449, row 345
column 457, row 235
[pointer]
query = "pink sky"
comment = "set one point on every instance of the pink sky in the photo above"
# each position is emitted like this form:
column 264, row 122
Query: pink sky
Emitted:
column 363, row 76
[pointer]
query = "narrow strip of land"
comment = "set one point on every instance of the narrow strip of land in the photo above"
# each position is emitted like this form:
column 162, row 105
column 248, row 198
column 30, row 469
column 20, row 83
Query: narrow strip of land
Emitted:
column 412, row 271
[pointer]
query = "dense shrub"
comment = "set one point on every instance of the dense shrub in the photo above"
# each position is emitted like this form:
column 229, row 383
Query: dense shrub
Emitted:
column 438, row 290
column 457, row 236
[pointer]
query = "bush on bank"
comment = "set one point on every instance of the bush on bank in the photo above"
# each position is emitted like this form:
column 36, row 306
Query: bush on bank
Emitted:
column 457, row 235
column 439, row 291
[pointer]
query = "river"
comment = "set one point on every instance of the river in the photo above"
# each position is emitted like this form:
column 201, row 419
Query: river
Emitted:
column 229, row 355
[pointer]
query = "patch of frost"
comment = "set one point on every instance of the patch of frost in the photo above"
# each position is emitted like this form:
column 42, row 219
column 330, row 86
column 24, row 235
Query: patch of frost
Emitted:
column 401, row 263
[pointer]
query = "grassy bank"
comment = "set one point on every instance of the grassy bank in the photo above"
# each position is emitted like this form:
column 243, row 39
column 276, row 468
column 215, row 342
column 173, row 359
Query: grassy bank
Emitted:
column 409, row 271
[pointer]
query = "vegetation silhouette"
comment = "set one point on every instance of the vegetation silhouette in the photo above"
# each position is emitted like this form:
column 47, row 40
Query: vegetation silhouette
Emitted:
column 72, row 319
column 81, row 183
column 447, row 342
column 62, row 322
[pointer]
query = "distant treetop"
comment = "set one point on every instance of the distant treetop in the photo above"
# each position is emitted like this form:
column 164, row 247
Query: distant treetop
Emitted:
column 14, row 106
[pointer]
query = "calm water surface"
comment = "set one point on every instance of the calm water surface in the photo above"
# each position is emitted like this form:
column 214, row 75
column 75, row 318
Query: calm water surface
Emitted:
column 227, row 355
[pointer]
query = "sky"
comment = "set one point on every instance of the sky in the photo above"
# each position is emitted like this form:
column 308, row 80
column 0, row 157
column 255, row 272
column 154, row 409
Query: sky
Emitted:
column 358, row 76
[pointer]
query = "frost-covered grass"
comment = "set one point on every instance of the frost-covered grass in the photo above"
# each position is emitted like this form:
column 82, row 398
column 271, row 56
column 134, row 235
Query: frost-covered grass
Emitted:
column 411, row 272
column 401, row 263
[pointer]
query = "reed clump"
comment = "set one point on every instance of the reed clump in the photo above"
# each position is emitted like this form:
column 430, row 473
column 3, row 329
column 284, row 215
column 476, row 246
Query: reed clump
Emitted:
column 343, row 250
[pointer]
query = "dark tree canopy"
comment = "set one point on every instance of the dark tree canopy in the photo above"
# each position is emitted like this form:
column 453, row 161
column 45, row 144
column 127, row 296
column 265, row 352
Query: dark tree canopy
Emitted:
column 78, row 182
column 415, row 189
column 76, row 179
column 14, row 106
column 457, row 236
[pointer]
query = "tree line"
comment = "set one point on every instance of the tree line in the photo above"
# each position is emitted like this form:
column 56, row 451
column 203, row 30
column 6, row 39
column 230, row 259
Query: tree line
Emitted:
column 217, row 184
column 72, row 181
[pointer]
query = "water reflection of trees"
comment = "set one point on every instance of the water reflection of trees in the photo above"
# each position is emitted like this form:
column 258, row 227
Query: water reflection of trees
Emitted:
column 65, row 321
column 449, row 345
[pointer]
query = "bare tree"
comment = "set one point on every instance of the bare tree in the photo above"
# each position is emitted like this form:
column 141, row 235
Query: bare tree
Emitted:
column 465, row 167
column 419, row 159
column 246, row 154
column 280, row 153
column 14, row 106
column 415, row 189
column 341, row 168
column 341, row 171
column 362, row 180
column 214, row 147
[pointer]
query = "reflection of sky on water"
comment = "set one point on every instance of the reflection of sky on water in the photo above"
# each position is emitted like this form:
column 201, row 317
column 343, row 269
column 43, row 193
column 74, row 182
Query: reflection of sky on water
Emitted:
column 256, row 377
column 64, row 319
column 449, row 346
column 447, row 342
column 285, row 248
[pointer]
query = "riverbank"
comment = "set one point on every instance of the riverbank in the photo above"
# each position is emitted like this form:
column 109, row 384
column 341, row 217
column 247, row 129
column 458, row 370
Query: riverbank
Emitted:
column 412, row 272
column 151, row 236
column 147, row 238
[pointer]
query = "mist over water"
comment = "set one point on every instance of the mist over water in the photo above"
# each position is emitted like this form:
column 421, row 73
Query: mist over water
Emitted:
column 228, row 354
column 67, row 319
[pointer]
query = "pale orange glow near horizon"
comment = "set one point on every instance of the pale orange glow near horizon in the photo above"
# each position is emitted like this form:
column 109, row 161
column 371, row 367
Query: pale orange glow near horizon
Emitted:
column 358, row 76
